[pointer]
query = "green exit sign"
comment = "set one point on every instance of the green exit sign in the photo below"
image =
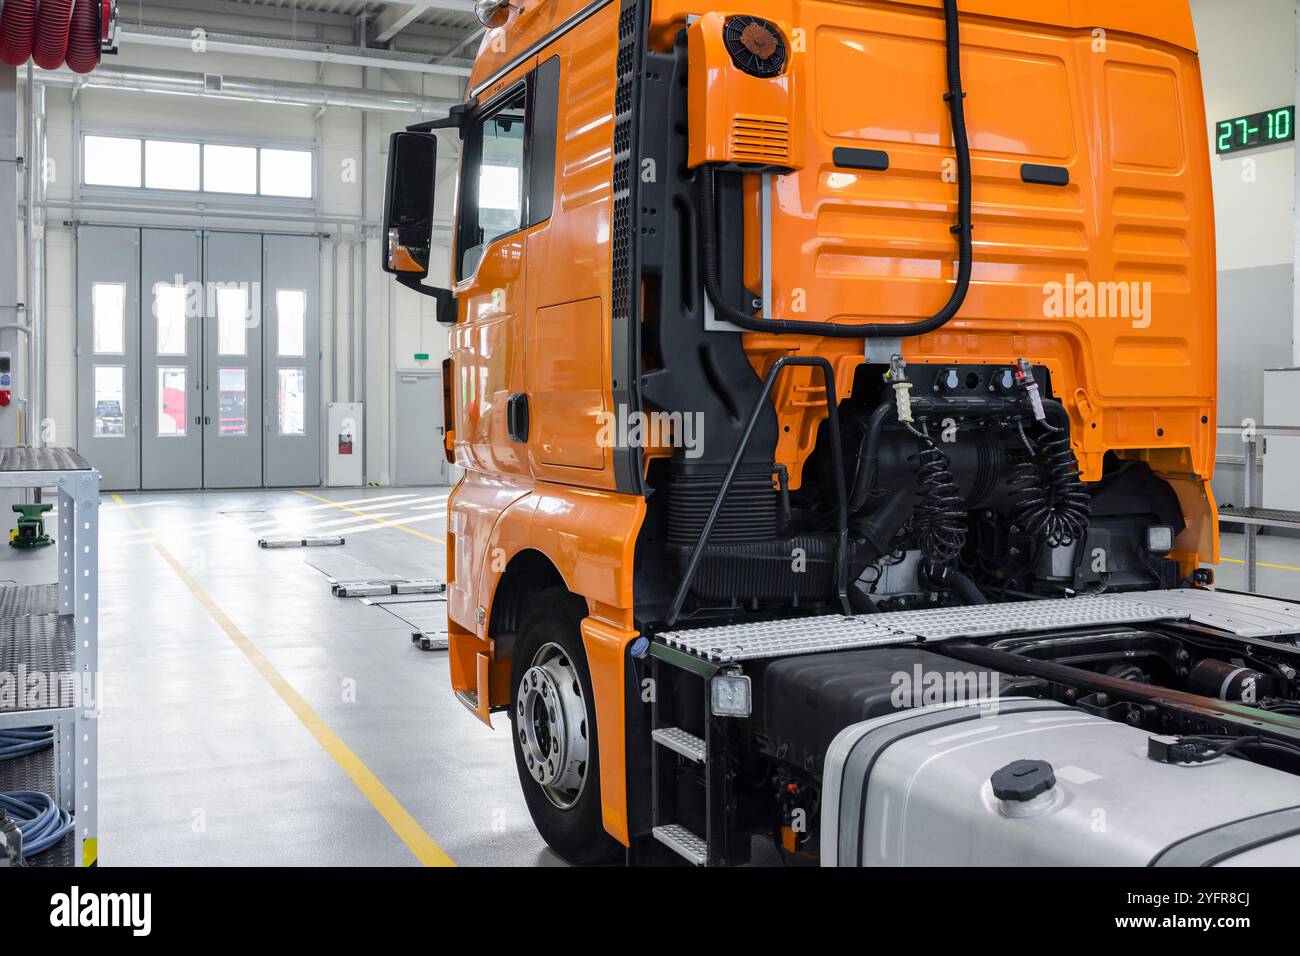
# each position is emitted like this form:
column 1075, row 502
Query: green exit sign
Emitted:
column 422, row 356
column 1255, row 130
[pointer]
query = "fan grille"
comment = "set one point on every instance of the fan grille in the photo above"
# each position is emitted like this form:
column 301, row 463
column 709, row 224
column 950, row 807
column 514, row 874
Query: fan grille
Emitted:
column 756, row 46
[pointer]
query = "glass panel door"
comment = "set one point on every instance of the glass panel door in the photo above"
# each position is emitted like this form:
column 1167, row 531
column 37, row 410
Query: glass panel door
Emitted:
column 291, row 293
column 108, row 354
column 232, row 393
column 171, row 444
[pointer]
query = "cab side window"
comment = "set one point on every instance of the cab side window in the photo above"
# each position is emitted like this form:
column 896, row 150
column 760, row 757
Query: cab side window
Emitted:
column 508, row 166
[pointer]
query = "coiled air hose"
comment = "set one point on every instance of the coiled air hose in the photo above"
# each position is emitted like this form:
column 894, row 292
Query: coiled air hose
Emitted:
column 42, row 822
column 940, row 518
column 1051, row 502
column 21, row 743
column 709, row 250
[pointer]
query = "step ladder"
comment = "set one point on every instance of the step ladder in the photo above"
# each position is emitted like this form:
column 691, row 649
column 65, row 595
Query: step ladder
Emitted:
column 683, row 762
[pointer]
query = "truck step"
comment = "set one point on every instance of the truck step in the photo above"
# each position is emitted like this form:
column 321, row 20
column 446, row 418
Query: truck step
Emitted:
column 682, row 842
column 680, row 741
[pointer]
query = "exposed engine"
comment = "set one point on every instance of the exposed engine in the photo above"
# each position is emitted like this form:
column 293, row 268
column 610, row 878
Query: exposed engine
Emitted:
column 960, row 487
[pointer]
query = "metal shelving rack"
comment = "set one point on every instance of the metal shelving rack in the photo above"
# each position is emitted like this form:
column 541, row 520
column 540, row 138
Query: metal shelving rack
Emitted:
column 54, row 629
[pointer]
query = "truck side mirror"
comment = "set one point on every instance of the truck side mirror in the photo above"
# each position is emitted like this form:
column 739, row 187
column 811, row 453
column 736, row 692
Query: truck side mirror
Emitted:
column 408, row 214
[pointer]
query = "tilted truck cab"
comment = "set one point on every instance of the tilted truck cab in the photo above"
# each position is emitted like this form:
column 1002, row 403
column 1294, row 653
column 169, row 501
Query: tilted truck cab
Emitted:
column 787, row 335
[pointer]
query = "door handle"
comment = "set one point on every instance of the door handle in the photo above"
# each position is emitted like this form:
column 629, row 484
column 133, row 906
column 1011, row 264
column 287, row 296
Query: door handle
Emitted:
column 198, row 420
column 207, row 420
column 517, row 416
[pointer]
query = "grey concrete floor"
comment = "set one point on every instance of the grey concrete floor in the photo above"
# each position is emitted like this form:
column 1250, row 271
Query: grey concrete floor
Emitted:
column 202, row 762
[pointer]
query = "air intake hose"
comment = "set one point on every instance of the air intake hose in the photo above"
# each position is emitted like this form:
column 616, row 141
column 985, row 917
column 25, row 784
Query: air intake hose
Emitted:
column 17, row 31
column 84, row 36
column 53, row 24
column 709, row 232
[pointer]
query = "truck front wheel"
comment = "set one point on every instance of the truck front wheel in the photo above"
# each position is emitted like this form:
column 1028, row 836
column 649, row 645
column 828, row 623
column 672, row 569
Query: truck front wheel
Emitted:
column 552, row 718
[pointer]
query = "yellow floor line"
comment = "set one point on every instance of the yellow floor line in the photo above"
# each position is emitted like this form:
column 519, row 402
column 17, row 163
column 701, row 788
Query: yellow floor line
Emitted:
column 363, row 514
column 426, row 850
column 1262, row 564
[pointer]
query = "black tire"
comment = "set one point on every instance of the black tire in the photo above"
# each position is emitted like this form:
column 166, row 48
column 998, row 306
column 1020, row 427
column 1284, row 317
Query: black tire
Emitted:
column 576, row 833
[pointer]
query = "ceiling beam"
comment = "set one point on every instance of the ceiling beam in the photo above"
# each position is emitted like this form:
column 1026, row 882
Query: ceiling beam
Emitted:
column 393, row 21
column 247, row 89
column 285, row 49
column 452, row 6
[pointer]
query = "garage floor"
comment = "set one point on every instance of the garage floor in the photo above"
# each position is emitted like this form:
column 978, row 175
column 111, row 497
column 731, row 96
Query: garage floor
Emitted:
column 250, row 717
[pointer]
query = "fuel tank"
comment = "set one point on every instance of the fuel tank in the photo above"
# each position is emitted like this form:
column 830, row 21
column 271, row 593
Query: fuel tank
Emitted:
column 1024, row 782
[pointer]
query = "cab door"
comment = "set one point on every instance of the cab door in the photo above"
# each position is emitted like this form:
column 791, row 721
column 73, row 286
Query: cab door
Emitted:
column 490, row 271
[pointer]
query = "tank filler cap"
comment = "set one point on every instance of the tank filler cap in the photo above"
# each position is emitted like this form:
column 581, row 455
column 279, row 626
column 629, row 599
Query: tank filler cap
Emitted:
column 1023, row 780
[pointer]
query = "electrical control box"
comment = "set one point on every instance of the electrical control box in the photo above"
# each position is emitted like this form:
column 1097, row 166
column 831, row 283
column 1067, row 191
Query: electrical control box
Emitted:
column 6, row 379
column 343, row 444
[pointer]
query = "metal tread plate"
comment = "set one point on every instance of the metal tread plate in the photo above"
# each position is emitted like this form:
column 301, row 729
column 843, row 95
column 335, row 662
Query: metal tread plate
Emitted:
column 788, row 637
column 23, row 600
column 682, row 841
column 1245, row 615
column 1019, row 617
column 42, row 459
column 44, row 644
column 1271, row 517
column 732, row 643
column 36, row 772
column 680, row 741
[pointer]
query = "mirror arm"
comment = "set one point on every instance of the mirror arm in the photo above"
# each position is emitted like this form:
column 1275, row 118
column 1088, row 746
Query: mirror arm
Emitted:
column 445, row 298
column 454, row 119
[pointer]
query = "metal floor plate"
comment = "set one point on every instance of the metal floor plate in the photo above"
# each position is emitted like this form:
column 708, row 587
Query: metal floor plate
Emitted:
column 42, row 644
column 1246, row 615
column 23, row 600
column 1018, row 617
column 42, row 459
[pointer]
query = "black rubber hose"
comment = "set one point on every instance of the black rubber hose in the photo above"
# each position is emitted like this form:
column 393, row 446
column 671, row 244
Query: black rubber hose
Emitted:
column 953, row 580
column 869, row 457
column 709, row 232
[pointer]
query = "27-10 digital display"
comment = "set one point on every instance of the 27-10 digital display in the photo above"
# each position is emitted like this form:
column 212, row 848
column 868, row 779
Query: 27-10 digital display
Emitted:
column 1255, row 130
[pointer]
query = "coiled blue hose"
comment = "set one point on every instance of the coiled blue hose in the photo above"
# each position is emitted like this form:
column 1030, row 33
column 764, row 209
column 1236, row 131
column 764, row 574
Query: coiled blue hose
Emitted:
column 42, row 822
column 20, row 743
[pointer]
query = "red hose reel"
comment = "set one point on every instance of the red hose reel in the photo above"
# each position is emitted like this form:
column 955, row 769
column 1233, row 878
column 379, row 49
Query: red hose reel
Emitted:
column 54, row 32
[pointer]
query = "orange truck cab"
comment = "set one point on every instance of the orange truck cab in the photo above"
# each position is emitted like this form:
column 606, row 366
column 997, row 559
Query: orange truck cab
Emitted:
column 779, row 320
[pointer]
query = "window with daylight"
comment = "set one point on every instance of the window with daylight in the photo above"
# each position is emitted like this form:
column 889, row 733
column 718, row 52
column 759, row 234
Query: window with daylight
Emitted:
column 112, row 161
column 291, row 321
column 169, row 310
column 507, row 180
column 110, row 401
column 108, row 317
column 171, row 402
column 169, row 165
column 188, row 166
column 229, row 169
column 286, row 172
